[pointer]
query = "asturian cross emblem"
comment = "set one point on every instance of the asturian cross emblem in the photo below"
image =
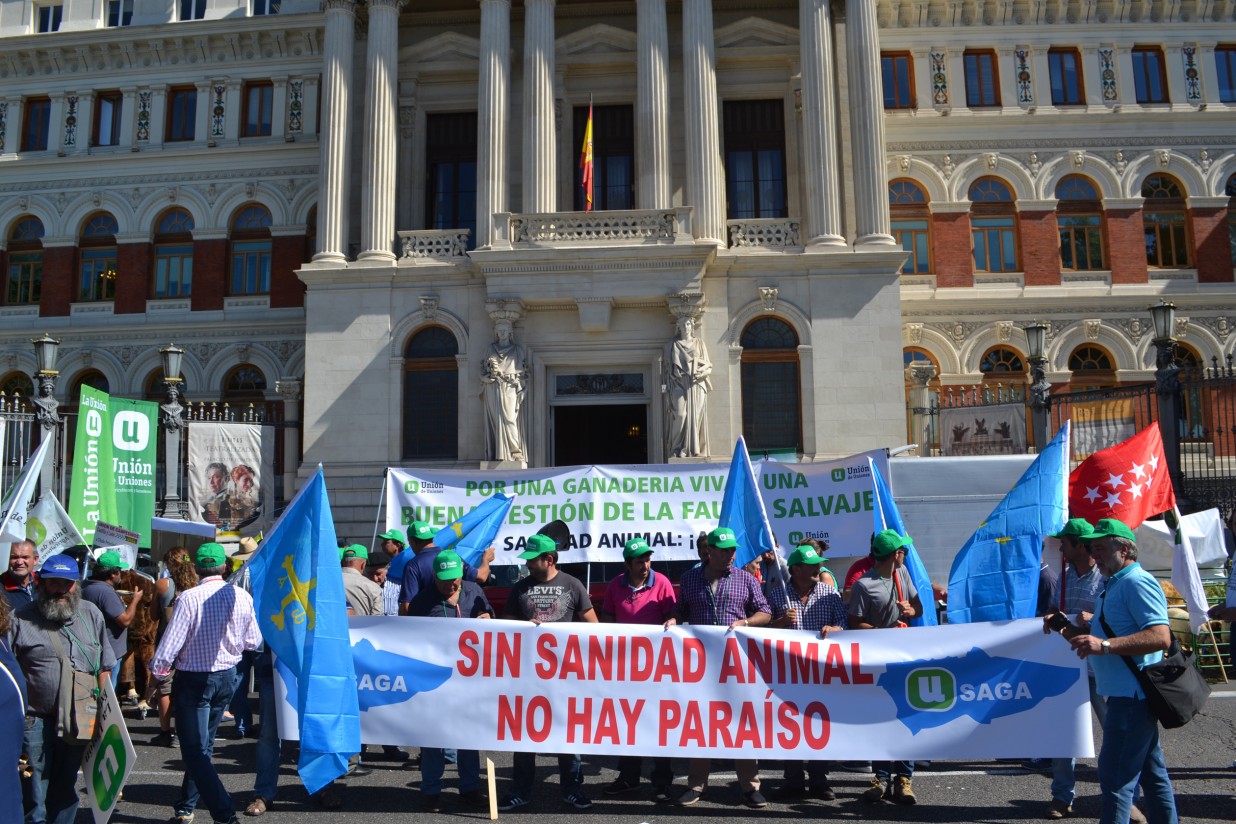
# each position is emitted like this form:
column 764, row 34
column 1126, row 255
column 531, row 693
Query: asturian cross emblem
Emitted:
column 298, row 597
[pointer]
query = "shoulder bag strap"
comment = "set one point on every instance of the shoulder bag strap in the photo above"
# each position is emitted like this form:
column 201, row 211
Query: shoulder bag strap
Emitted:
column 64, row 698
column 1128, row 662
column 94, row 665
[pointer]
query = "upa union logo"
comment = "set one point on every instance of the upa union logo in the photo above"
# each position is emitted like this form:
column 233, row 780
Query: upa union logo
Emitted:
column 931, row 689
column 838, row 475
column 411, row 487
column 795, row 537
column 130, row 431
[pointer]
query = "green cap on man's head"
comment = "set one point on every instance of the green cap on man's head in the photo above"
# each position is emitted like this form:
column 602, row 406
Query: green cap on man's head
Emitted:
column 347, row 553
column 419, row 531
column 722, row 538
column 447, row 565
column 805, row 554
column 888, row 541
column 1111, row 528
column 392, row 535
column 1076, row 528
column 210, row 555
column 110, row 560
column 635, row 548
column 537, row 546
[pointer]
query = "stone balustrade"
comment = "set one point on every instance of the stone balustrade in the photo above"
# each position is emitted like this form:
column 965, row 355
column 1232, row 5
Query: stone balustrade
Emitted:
column 608, row 228
column 433, row 244
column 781, row 234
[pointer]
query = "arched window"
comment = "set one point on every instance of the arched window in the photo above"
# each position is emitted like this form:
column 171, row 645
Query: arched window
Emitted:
column 173, row 255
column 1092, row 367
column 993, row 225
column 771, row 406
column 1192, row 410
column 250, row 249
column 431, row 396
column 244, row 383
column 929, row 414
column 911, row 224
column 92, row 378
column 25, row 261
column 17, row 383
column 1164, row 221
column 97, row 258
column 1079, row 215
column 1001, row 364
column 1231, row 216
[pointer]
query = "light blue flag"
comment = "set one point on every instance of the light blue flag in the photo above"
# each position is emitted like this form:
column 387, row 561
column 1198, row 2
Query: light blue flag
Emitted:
column 742, row 509
column 301, row 609
column 472, row 534
column 887, row 516
column 995, row 576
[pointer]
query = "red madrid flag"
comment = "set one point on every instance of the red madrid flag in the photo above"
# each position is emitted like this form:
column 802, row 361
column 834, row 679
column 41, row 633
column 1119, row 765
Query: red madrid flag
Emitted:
column 1128, row 481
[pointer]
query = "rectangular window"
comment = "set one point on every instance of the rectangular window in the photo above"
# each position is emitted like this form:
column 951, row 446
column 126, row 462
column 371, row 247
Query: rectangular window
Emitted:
column 94, row 283
column 914, row 237
column 1066, row 77
column 995, row 244
column 982, row 79
column 173, row 271
column 1149, row 75
column 181, row 114
column 25, row 277
column 192, row 9
column 1167, row 240
column 258, row 100
column 47, row 18
column 613, row 157
column 251, row 267
column 119, row 13
column 897, row 70
column 265, row 7
column 1225, row 71
column 1081, row 242
column 107, row 109
column 35, row 123
column 755, row 159
column 450, row 158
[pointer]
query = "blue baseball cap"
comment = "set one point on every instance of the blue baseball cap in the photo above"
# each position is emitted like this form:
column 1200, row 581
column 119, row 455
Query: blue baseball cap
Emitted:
column 60, row 566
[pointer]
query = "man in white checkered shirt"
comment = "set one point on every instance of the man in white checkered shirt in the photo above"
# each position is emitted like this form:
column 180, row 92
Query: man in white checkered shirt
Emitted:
column 211, row 628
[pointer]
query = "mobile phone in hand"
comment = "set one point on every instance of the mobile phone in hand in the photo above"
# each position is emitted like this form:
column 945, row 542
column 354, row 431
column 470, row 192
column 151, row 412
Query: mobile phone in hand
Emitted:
column 1058, row 621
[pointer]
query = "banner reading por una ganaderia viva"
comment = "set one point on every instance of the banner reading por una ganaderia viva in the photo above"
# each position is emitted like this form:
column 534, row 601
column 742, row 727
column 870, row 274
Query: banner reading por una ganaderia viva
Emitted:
column 114, row 464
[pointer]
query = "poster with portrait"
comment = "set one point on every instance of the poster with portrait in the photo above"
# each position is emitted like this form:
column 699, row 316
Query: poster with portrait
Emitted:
column 231, row 475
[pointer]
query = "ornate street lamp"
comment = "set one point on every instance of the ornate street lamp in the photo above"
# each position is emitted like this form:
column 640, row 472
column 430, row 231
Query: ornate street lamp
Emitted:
column 1040, row 388
column 172, row 422
column 1167, row 386
column 45, row 406
column 1163, row 316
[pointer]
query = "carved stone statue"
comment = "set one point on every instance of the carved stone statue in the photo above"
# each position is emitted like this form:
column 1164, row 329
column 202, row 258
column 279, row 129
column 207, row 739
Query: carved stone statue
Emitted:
column 504, row 384
column 45, row 404
column 687, row 369
column 171, row 413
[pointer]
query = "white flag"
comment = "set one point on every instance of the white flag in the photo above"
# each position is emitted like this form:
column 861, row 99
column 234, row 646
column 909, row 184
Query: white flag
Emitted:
column 48, row 525
column 1188, row 581
column 17, row 500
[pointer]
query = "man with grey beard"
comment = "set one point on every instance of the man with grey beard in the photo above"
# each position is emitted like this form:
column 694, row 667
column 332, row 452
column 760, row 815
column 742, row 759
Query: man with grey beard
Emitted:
column 56, row 620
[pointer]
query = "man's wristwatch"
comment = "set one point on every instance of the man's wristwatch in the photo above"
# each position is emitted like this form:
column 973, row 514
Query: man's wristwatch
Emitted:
column 1107, row 646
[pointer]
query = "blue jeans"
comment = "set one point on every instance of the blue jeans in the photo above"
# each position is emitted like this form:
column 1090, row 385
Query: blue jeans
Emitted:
column 1063, row 781
column 570, row 773
column 433, row 762
column 54, row 764
column 266, row 781
column 198, row 702
column 885, row 770
column 1131, row 754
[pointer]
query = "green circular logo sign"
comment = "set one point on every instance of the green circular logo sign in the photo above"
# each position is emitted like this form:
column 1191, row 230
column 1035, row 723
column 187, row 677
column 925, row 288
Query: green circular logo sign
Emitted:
column 110, row 766
column 838, row 475
column 35, row 531
column 411, row 487
column 796, row 538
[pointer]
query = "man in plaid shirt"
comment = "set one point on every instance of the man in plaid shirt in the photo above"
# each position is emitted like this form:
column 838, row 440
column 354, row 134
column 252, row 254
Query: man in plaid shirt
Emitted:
column 717, row 593
column 211, row 628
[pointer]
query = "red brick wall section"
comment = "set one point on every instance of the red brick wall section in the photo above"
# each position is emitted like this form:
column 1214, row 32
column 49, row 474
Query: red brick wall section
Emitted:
column 209, row 274
column 133, row 277
column 1212, row 245
column 59, row 286
column 1040, row 248
column 1126, row 245
column 286, row 256
column 952, row 249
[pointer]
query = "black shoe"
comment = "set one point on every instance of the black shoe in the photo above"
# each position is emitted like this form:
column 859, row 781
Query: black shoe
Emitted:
column 359, row 771
column 164, row 739
column 754, row 800
column 392, row 753
column 662, row 793
column 823, row 791
column 431, row 803
column 688, row 799
column 474, row 798
column 788, row 792
column 619, row 787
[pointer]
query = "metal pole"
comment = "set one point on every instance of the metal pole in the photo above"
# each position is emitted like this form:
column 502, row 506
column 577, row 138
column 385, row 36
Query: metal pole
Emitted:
column 1167, row 387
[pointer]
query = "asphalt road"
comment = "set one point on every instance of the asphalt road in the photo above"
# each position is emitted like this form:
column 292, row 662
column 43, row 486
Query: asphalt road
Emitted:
column 1199, row 758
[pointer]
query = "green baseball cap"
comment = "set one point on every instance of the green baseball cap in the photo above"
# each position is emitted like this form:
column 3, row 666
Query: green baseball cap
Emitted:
column 420, row 531
column 805, row 554
column 392, row 535
column 888, row 541
column 347, row 553
column 1111, row 528
column 110, row 560
column 537, row 546
column 447, row 565
column 1078, row 528
column 722, row 538
column 635, row 548
column 210, row 555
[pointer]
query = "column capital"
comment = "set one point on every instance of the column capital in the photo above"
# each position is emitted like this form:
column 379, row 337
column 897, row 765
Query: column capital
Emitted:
column 397, row 5
column 289, row 389
column 348, row 6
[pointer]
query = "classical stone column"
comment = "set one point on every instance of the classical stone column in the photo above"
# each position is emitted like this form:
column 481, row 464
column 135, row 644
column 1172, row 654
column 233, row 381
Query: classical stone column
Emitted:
column 652, row 170
column 492, row 116
column 378, row 157
column 823, row 218
column 540, row 145
column 862, row 39
column 705, row 173
column 290, row 390
column 336, row 87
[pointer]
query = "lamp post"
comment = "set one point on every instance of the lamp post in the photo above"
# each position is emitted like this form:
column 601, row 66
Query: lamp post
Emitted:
column 172, row 422
column 45, row 406
column 1040, row 388
column 1167, row 386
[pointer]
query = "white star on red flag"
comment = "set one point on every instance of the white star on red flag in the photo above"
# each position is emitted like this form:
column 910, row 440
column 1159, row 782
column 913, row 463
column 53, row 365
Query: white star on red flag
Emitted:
column 1138, row 457
column 1138, row 470
column 1093, row 494
column 1114, row 481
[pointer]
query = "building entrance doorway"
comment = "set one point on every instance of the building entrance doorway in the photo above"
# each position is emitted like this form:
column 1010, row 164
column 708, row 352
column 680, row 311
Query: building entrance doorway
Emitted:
column 600, row 434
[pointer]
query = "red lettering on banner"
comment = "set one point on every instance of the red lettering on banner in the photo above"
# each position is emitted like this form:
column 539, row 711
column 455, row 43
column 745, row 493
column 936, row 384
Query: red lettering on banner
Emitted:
column 549, row 660
column 510, row 719
column 834, row 665
column 768, row 721
column 469, row 661
column 693, row 662
column 731, row 663
column 641, row 658
column 692, row 726
column 498, row 654
column 601, row 656
column 572, row 659
column 580, row 717
column 720, row 713
column 630, row 714
column 787, row 716
column 667, row 662
column 817, row 710
column 748, row 727
column 804, row 663
column 860, row 677
column 513, row 721
column 539, row 704
column 607, row 724
column 668, row 716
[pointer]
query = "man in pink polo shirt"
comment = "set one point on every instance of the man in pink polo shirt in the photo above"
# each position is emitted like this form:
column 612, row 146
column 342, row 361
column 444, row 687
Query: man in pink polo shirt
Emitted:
column 639, row 596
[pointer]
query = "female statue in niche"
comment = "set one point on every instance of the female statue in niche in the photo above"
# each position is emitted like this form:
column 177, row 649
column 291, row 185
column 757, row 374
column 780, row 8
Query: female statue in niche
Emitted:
column 687, row 371
column 504, row 384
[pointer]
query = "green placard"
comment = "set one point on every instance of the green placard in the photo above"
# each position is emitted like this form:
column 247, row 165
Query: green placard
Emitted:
column 93, row 494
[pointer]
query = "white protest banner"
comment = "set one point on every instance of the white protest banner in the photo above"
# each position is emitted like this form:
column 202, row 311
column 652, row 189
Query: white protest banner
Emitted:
column 108, row 758
column 668, row 504
column 231, row 475
column 984, row 690
column 16, row 501
column 51, row 529
column 111, row 537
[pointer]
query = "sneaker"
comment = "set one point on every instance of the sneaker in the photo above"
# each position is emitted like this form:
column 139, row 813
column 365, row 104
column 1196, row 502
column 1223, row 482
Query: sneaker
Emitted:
column 661, row 793
column 392, row 753
column 754, row 800
column 474, row 798
column 875, row 792
column 181, row 818
column 1058, row 809
column 619, row 787
column 578, row 800
column 823, row 791
column 511, row 802
column 431, row 803
column 688, row 799
column 164, row 739
column 903, row 791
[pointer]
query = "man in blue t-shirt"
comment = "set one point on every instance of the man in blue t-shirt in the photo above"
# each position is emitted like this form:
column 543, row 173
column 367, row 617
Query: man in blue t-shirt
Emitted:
column 413, row 568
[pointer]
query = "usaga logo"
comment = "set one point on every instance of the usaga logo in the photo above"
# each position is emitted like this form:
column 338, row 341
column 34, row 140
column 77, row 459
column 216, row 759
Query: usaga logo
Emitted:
column 933, row 693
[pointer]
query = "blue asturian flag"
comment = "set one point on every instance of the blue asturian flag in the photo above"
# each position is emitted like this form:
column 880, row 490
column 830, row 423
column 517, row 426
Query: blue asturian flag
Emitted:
column 742, row 509
column 995, row 576
column 887, row 516
column 472, row 534
column 297, row 588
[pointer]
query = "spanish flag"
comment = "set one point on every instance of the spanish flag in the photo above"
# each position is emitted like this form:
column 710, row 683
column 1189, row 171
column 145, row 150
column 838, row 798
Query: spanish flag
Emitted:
column 585, row 161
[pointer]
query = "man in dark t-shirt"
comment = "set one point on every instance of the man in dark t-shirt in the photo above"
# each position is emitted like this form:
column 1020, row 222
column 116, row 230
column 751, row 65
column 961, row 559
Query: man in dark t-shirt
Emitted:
column 547, row 595
column 100, row 590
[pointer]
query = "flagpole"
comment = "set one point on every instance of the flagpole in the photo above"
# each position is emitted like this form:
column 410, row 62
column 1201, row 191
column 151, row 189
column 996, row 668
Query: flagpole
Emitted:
column 381, row 505
column 1214, row 643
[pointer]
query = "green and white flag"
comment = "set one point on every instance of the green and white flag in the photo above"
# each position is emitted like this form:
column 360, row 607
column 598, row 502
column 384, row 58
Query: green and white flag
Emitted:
column 51, row 529
column 114, row 463
column 17, row 498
